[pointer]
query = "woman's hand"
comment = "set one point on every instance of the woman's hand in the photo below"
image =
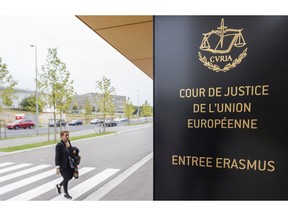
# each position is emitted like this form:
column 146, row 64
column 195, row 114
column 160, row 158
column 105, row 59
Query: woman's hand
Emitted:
column 57, row 171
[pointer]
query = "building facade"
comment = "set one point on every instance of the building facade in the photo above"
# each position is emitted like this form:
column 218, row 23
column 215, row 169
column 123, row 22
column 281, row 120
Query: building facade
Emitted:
column 20, row 94
column 79, row 102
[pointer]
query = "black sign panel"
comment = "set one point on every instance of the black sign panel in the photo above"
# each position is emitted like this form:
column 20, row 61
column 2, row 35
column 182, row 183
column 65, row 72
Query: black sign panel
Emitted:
column 220, row 129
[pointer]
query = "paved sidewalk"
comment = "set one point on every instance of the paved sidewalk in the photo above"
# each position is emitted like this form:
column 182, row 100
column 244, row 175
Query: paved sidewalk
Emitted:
column 139, row 184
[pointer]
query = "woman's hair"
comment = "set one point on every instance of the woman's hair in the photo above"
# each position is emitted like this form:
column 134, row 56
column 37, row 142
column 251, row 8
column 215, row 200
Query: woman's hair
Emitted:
column 63, row 132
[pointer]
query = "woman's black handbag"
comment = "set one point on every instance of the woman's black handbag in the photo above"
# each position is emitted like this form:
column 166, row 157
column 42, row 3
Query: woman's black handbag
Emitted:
column 71, row 162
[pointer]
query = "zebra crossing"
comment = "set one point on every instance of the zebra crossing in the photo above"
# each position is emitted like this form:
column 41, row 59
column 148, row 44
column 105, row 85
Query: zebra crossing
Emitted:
column 26, row 181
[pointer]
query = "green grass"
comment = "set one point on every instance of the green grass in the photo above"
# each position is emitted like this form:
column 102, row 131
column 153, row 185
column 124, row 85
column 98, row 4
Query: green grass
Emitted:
column 141, row 123
column 40, row 144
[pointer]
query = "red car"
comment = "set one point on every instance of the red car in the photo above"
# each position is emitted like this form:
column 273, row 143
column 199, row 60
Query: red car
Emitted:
column 23, row 123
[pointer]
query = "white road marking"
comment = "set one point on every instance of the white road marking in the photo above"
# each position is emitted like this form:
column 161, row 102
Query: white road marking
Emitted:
column 120, row 178
column 6, row 164
column 45, row 187
column 23, row 172
column 85, row 186
column 26, row 181
column 8, row 169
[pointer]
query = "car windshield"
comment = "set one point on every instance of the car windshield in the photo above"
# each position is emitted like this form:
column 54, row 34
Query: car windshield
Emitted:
column 17, row 121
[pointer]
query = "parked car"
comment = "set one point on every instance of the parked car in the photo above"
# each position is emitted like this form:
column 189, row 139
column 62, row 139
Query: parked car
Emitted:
column 76, row 122
column 117, row 120
column 110, row 123
column 23, row 123
column 123, row 119
column 63, row 123
column 96, row 121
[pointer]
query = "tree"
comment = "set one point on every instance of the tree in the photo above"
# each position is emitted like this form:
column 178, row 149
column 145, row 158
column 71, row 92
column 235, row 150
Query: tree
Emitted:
column 146, row 110
column 136, row 110
column 112, row 112
column 128, row 109
column 29, row 104
column 55, row 85
column 88, row 109
column 75, row 107
column 7, row 82
column 105, row 98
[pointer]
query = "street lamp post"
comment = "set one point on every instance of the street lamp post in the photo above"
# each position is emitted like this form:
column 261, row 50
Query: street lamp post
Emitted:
column 36, row 93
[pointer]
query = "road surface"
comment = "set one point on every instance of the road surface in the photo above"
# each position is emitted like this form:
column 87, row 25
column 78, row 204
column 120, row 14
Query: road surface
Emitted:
column 112, row 167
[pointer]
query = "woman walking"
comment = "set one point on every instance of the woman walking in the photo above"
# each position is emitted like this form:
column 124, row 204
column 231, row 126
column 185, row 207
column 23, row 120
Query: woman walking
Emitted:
column 63, row 151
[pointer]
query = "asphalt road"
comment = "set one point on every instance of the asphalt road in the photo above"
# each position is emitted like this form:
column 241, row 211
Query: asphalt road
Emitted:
column 43, row 130
column 103, row 159
column 46, row 130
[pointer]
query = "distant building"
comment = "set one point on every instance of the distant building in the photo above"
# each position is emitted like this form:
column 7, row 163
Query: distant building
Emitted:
column 20, row 95
column 79, row 100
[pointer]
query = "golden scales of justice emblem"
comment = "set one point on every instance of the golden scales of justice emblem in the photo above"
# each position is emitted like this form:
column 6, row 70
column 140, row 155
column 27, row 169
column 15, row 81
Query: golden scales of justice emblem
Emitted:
column 228, row 38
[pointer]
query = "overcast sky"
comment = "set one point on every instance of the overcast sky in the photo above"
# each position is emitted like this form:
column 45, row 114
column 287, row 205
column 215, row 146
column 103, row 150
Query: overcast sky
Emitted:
column 87, row 56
